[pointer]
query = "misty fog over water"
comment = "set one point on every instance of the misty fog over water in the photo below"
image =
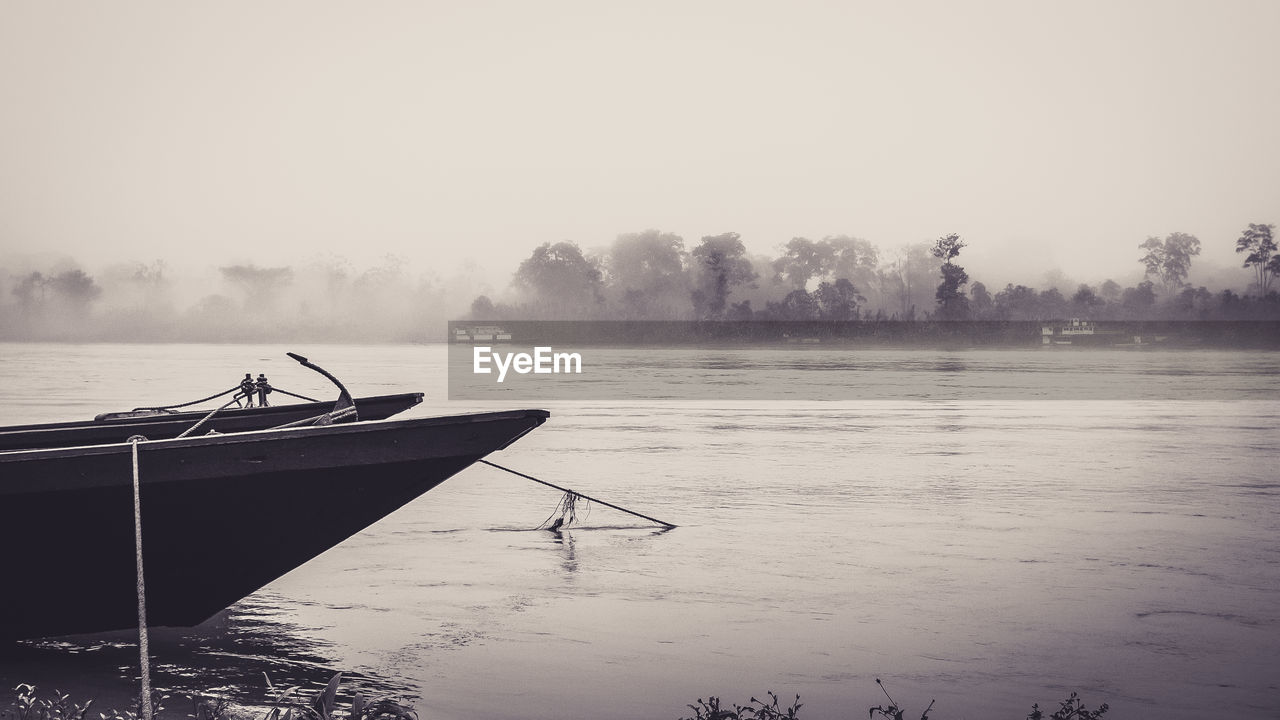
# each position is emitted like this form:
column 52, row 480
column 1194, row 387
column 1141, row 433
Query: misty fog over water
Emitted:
column 649, row 275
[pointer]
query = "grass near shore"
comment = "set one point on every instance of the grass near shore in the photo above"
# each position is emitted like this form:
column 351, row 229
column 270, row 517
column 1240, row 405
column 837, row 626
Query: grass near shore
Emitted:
column 713, row 709
column 290, row 703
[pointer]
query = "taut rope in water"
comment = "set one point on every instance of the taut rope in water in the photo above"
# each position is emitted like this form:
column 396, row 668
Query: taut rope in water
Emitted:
column 144, row 661
column 578, row 494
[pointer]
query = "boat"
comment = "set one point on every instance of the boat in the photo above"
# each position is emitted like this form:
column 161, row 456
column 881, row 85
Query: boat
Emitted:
column 480, row 334
column 159, row 425
column 222, row 514
column 1064, row 333
column 1080, row 333
column 230, row 500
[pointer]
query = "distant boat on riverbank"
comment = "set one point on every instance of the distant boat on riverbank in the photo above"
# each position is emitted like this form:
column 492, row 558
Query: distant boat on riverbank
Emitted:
column 1086, row 333
column 480, row 334
column 925, row 334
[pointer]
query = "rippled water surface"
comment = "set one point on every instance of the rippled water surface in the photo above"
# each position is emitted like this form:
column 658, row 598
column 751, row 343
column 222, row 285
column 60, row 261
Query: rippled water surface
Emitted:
column 986, row 553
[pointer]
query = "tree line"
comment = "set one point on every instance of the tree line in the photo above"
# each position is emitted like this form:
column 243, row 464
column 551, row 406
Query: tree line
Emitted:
column 649, row 275
column 652, row 276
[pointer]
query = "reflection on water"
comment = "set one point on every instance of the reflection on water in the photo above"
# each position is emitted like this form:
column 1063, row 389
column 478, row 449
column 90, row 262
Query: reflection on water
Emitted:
column 878, row 374
column 570, row 562
column 232, row 655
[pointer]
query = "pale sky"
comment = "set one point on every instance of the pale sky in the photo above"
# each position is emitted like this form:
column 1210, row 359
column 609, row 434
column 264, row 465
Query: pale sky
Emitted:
column 1048, row 134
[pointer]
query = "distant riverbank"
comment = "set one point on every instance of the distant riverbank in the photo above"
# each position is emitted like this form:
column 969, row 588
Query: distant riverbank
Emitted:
column 889, row 333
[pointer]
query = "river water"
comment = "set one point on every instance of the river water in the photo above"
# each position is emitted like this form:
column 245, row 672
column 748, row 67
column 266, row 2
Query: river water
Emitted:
column 983, row 552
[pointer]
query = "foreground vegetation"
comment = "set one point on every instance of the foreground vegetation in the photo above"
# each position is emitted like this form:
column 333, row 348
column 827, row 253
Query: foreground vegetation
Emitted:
column 713, row 709
column 290, row 703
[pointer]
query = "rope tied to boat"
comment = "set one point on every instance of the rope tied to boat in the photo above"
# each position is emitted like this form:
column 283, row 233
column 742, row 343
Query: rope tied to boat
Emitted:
column 236, row 399
column 235, row 389
column 193, row 402
column 205, row 419
column 300, row 397
column 144, row 660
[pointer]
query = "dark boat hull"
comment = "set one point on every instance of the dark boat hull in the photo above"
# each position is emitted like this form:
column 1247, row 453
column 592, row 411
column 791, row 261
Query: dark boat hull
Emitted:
column 222, row 515
column 171, row 425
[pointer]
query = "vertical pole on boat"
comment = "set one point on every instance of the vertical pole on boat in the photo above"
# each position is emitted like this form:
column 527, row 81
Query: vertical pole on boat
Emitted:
column 144, row 660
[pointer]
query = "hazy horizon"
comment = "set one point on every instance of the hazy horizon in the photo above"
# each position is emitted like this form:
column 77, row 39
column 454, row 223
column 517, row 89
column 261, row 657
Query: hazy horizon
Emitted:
column 1048, row 136
column 194, row 278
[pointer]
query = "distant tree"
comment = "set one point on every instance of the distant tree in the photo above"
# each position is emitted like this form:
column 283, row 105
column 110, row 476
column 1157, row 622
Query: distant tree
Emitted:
column 740, row 311
column 387, row 276
column 952, row 303
column 948, row 247
column 891, row 283
column 146, row 290
column 1110, row 290
column 1055, row 278
column 482, row 308
column 719, row 265
column 1018, row 302
column 980, row 300
column 1169, row 260
column 797, row 305
column 1258, row 242
column 31, row 290
column 1230, row 304
column 260, row 285
column 1085, row 300
column 216, row 317
column 838, row 300
column 841, row 256
column 802, row 260
column 150, row 275
column 75, row 288
column 1194, row 302
column 563, row 281
column 54, row 306
column 1053, row 304
column 852, row 258
column 646, row 273
column 908, row 278
column 1139, row 300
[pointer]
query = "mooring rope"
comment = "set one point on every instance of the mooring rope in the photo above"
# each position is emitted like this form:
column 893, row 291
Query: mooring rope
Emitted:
column 185, row 404
column 218, row 395
column 144, row 661
column 300, row 397
column 578, row 494
column 205, row 419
